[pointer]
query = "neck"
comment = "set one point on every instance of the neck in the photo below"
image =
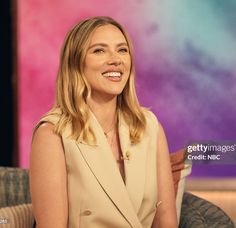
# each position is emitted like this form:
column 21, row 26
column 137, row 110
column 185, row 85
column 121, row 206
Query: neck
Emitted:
column 105, row 112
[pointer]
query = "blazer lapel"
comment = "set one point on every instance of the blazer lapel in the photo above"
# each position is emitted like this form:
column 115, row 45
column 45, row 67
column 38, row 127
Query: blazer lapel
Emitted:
column 102, row 164
column 135, row 165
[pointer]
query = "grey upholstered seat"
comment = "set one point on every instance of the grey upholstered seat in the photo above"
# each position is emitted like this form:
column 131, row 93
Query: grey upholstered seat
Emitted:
column 195, row 212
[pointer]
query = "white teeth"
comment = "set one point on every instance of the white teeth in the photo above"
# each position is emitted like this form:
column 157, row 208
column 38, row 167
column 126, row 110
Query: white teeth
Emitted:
column 112, row 74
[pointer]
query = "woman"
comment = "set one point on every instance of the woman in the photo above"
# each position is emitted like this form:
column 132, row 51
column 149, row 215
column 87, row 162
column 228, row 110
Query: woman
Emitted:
column 98, row 159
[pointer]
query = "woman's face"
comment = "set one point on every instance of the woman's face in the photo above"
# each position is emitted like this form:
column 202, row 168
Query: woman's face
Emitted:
column 107, row 62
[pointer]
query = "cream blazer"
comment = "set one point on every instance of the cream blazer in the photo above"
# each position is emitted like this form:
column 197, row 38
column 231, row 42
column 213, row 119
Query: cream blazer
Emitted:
column 97, row 194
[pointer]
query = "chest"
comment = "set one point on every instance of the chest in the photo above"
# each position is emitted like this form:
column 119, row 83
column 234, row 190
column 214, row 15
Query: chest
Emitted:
column 95, row 178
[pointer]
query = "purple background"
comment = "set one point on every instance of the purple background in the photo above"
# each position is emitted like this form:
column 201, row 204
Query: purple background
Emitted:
column 185, row 64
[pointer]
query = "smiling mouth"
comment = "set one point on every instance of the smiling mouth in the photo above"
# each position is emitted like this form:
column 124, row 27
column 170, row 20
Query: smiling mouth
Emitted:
column 112, row 74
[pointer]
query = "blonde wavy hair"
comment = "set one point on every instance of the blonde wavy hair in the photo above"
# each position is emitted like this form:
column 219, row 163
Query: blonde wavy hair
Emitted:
column 72, row 89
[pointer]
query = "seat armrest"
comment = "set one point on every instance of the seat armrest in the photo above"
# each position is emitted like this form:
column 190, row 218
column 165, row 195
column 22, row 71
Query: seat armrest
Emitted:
column 200, row 213
column 14, row 186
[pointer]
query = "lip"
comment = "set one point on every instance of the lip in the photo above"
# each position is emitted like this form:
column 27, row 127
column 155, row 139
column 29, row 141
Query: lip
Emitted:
column 113, row 70
column 116, row 79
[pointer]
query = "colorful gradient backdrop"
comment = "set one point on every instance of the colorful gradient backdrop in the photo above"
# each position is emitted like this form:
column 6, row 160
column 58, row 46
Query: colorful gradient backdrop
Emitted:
column 185, row 64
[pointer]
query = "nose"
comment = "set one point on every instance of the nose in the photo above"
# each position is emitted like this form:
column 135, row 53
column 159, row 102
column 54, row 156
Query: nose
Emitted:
column 114, row 59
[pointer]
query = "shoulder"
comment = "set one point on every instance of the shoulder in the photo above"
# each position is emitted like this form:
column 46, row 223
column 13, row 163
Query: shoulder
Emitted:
column 53, row 116
column 50, row 118
column 151, row 118
column 153, row 124
column 45, row 134
column 46, row 144
column 45, row 128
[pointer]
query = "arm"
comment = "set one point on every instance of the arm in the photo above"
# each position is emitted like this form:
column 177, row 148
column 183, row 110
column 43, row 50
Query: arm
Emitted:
column 166, row 211
column 48, row 178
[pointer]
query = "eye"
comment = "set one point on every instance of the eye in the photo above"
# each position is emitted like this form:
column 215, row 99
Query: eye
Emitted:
column 123, row 50
column 98, row 50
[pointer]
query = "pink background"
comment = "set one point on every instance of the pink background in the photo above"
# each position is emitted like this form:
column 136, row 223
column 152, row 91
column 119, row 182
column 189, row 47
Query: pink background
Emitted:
column 42, row 26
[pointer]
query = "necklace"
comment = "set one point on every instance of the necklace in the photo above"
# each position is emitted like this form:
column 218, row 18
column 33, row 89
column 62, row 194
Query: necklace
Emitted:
column 113, row 125
column 111, row 140
column 106, row 132
column 116, row 152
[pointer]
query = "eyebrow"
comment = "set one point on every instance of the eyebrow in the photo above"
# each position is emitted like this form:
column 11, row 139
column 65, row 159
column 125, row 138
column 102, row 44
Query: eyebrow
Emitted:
column 105, row 45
